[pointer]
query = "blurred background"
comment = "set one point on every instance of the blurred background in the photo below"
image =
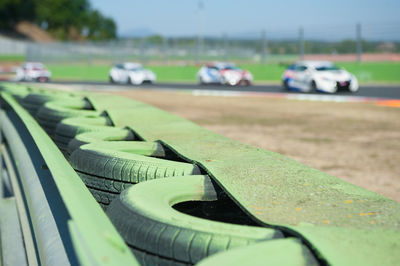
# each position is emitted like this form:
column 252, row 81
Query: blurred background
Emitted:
column 81, row 39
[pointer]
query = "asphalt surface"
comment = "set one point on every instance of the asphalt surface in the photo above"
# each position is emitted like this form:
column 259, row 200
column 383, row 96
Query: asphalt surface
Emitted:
column 370, row 91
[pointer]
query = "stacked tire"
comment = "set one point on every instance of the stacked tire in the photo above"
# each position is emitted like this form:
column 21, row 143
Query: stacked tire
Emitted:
column 107, row 168
column 159, row 235
column 140, row 184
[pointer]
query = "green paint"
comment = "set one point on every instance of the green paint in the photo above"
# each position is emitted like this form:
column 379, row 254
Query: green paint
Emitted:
column 277, row 252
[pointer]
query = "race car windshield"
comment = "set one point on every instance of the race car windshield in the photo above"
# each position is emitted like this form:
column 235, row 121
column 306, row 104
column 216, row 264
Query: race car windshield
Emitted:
column 35, row 66
column 231, row 68
column 135, row 68
column 327, row 68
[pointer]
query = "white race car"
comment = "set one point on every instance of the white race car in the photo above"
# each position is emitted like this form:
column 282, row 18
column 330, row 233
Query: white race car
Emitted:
column 32, row 71
column 224, row 73
column 313, row 76
column 131, row 73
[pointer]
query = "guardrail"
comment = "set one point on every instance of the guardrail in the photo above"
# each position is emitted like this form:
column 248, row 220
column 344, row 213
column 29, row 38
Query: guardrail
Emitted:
column 88, row 178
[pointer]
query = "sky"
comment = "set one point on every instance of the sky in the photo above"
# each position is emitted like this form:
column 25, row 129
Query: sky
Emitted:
column 334, row 19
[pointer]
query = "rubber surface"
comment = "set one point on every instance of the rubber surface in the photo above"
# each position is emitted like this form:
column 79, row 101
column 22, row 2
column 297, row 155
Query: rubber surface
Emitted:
column 33, row 101
column 51, row 113
column 144, row 216
column 107, row 168
column 125, row 166
column 111, row 134
column 18, row 91
column 68, row 128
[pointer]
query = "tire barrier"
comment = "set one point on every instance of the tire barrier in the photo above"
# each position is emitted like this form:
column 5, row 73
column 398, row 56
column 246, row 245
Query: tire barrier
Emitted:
column 33, row 101
column 109, row 134
column 19, row 92
column 51, row 113
column 59, row 221
column 108, row 168
column 144, row 216
column 68, row 128
column 176, row 193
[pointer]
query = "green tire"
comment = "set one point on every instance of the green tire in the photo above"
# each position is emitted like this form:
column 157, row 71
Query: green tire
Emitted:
column 108, row 162
column 68, row 128
column 112, row 134
column 107, row 168
column 51, row 113
column 33, row 101
column 145, row 218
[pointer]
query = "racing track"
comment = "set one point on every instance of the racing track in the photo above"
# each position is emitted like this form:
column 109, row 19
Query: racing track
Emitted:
column 370, row 91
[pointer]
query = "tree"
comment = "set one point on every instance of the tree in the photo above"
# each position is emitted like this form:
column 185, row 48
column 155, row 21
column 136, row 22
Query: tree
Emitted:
column 13, row 11
column 64, row 19
column 99, row 27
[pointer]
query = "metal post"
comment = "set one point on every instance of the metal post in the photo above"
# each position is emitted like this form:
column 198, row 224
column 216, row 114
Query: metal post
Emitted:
column 165, row 50
column 301, row 43
column 359, row 44
column 225, row 41
column 263, row 47
column 142, row 50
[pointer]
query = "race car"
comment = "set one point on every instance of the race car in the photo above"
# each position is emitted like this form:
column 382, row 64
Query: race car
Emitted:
column 131, row 73
column 313, row 76
column 32, row 71
column 223, row 73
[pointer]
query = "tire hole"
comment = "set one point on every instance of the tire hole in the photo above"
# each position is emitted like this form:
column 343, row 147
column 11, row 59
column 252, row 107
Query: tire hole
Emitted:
column 221, row 210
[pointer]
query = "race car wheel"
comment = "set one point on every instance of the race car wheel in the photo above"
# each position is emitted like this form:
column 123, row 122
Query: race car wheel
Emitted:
column 111, row 79
column 245, row 83
column 354, row 90
column 42, row 79
column 285, row 85
column 313, row 87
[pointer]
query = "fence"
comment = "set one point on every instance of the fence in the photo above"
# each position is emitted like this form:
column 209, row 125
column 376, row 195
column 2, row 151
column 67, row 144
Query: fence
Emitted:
column 262, row 47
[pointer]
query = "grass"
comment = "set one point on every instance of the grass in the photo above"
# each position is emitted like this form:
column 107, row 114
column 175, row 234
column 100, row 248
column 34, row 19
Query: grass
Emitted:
column 12, row 58
column 79, row 72
column 375, row 71
column 366, row 72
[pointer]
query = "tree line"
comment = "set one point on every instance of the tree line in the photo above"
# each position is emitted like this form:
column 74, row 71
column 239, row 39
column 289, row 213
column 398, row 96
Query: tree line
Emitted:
column 63, row 19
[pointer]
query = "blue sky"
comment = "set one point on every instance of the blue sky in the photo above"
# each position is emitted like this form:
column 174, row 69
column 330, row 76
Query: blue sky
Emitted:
column 281, row 19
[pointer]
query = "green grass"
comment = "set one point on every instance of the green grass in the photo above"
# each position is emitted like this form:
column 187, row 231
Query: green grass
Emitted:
column 12, row 58
column 370, row 72
column 366, row 72
column 175, row 73
column 79, row 72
